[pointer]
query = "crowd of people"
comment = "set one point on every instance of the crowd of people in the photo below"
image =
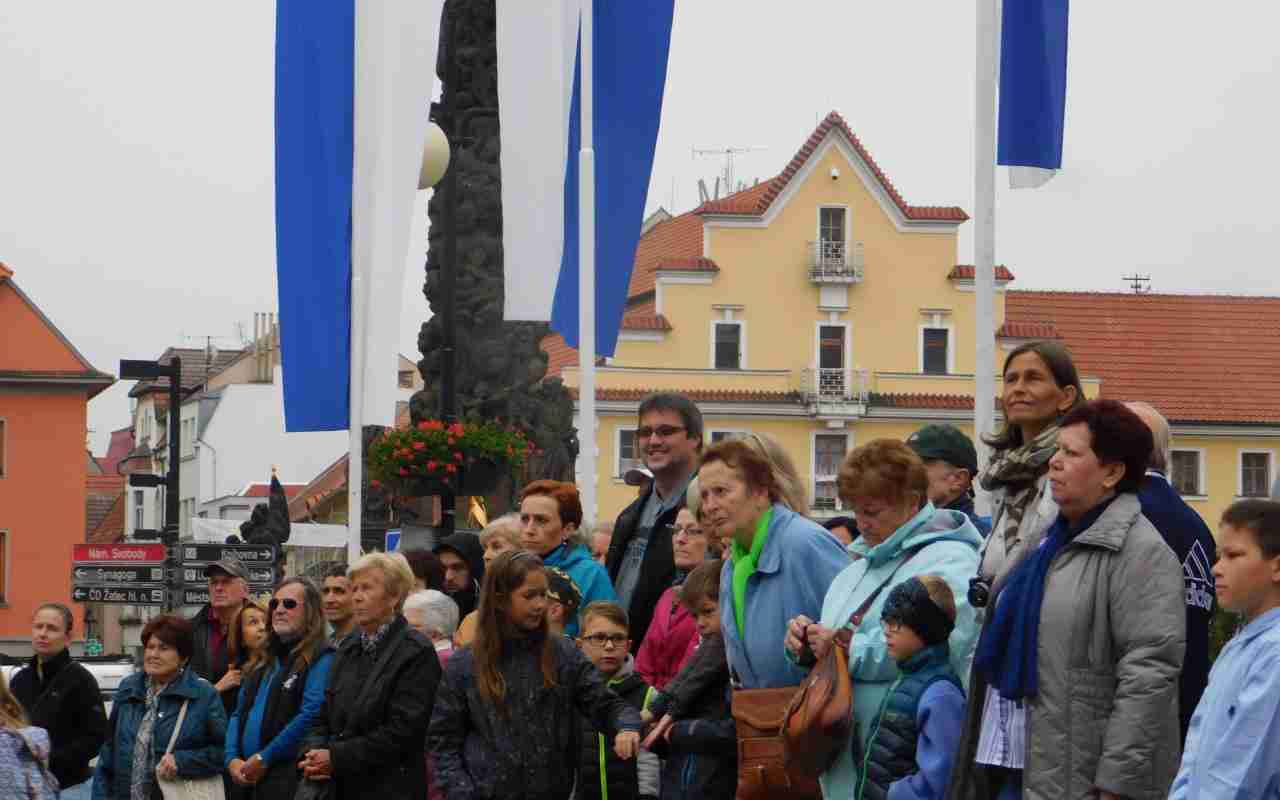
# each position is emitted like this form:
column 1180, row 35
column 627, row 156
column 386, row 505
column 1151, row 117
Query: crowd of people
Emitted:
column 1058, row 648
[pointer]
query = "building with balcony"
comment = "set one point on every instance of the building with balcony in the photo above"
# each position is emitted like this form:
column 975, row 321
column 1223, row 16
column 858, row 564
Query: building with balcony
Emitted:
column 823, row 309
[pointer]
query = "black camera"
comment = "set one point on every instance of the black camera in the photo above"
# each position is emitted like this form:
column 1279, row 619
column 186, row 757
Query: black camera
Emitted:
column 979, row 591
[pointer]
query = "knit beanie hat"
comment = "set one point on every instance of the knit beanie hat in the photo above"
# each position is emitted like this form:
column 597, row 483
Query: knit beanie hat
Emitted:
column 910, row 605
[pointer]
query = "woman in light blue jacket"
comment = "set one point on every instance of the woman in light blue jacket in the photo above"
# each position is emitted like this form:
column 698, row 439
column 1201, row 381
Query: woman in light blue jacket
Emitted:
column 778, row 564
column 886, row 483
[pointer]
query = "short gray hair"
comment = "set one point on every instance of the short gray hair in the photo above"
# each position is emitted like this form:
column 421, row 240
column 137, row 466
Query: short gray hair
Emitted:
column 509, row 522
column 397, row 577
column 439, row 611
column 1160, row 451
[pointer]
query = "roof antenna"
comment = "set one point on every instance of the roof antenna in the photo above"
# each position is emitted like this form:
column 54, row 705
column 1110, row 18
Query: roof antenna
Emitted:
column 727, row 170
column 1138, row 283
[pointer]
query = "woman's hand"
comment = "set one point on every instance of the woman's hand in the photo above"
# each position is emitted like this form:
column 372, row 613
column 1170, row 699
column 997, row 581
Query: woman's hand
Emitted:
column 795, row 635
column 229, row 681
column 251, row 771
column 315, row 765
column 627, row 744
column 168, row 767
column 233, row 769
column 660, row 731
column 820, row 639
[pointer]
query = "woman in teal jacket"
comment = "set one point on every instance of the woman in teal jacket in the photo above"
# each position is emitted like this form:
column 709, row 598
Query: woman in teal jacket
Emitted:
column 886, row 485
column 778, row 564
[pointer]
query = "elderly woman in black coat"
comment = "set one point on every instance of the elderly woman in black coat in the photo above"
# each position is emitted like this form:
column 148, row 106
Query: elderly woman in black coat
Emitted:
column 369, row 738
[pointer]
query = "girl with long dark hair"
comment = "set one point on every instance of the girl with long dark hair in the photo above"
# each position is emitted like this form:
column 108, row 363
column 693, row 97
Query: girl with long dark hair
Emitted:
column 511, row 700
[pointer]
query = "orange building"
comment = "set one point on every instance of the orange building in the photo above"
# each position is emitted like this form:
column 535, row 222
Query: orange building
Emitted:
column 45, row 387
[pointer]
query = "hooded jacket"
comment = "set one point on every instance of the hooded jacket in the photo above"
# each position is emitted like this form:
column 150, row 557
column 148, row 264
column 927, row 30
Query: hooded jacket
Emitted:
column 1109, row 651
column 671, row 640
column 198, row 749
column 590, row 577
column 67, row 704
column 799, row 561
column 530, row 749
column 467, row 547
column 947, row 545
column 622, row 780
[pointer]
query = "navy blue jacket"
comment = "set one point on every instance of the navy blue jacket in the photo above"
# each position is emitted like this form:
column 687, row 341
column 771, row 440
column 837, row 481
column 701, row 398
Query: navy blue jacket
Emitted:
column 198, row 750
column 1192, row 542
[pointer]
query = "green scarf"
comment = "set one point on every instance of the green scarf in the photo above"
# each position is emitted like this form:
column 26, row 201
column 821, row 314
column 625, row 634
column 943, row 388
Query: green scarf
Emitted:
column 744, row 566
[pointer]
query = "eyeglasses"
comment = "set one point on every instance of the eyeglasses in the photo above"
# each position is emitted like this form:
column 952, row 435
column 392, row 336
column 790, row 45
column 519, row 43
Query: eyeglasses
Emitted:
column 690, row 531
column 602, row 639
column 662, row 431
column 289, row 603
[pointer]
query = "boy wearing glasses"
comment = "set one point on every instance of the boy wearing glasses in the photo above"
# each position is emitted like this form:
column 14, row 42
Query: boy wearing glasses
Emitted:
column 605, row 639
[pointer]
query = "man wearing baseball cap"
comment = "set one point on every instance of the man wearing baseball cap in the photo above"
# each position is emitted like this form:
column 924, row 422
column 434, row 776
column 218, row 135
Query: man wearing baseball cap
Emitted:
column 228, row 588
column 952, row 462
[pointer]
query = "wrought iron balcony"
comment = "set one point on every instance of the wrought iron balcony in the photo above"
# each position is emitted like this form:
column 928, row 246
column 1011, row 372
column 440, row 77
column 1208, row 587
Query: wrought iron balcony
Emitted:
column 840, row 385
column 834, row 262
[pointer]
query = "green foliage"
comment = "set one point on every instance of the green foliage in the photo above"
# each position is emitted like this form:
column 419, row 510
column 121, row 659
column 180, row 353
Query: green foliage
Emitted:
column 1221, row 629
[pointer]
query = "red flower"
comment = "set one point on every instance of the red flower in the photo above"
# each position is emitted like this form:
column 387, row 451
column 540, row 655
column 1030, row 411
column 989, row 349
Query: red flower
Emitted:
column 419, row 446
column 423, row 426
column 375, row 483
column 404, row 472
column 431, row 466
column 457, row 456
column 450, row 468
column 452, row 441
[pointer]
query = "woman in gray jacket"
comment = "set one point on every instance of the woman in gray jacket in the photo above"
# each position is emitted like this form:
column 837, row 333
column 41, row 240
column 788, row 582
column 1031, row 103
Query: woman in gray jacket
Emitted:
column 1084, row 642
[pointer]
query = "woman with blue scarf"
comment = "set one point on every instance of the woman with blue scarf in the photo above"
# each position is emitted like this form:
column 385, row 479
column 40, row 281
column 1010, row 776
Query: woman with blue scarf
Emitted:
column 1076, row 690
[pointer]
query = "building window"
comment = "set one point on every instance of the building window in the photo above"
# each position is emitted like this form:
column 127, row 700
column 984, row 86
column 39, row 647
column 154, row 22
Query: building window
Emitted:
column 1184, row 472
column 831, row 236
column 934, row 347
column 139, row 510
column 1255, row 474
column 828, row 455
column 720, row 436
column 728, row 345
column 3, row 460
column 628, row 454
column 406, row 379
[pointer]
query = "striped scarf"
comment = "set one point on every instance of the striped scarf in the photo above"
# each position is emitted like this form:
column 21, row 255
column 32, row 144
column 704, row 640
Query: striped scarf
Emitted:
column 1016, row 470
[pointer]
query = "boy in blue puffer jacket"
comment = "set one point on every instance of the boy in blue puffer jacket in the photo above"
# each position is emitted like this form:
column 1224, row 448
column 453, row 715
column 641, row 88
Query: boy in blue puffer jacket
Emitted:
column 914, row 738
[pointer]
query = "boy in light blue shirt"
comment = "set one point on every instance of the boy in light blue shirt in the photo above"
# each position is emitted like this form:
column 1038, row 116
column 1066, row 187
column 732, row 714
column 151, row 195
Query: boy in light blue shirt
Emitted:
column 1233, row 744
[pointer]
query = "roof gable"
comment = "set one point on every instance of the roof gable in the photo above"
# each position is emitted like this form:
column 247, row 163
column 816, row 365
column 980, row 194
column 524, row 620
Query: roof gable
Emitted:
column 44, row 349
column 1196, row 358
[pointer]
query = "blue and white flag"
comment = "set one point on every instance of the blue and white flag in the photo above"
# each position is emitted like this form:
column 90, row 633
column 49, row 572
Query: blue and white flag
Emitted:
column 353, row 87
column 539, row 91
column 1033, row 89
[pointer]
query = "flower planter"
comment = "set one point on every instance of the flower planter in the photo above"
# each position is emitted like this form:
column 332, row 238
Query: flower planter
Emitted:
column 478, row 478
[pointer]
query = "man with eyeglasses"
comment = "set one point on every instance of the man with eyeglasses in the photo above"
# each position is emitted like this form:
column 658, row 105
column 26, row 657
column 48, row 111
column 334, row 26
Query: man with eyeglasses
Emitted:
column 280, row 699
column 640, row 561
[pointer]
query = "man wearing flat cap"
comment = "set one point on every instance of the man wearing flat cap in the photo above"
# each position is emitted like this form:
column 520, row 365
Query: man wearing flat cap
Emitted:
column 228, row 588
column 951, row 462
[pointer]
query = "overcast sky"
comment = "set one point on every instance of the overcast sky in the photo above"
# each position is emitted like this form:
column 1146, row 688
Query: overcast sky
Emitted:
column 136, row 200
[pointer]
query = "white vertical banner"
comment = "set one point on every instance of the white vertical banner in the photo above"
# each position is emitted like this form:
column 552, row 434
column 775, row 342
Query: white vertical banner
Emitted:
column 587, row 272
column 537, row 42
column 396, row 42
column 984, row 232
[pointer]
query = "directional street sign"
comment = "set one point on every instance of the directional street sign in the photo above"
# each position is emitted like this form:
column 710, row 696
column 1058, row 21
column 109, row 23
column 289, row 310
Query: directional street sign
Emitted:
column 264, row 555
column 198, row 596
column 127, row 553
column 132, row 596
column 265, row 575
column 121, row 575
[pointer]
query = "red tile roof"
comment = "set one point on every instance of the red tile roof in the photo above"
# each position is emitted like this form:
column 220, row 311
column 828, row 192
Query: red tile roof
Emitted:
column 645, row 322
column 291, row 490
column 697, row 395
column 1197, row 358
column 756, row 200
column 331, row 479
column 119, row 448
column 667, row 242
column 111, row 527
column 687, row 264
column 967, row 271
column 1028, row 330
column 102, row 493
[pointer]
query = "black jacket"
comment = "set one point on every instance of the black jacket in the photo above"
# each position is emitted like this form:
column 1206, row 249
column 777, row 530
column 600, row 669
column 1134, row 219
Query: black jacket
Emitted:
column 700, row 762
column 208, row 663
column 374, row 720
column 1192, row 542
column 657, row 572
column 529, row 749
column 467, row 546
column 623, row 779
column 284, row 702
column 67, row 704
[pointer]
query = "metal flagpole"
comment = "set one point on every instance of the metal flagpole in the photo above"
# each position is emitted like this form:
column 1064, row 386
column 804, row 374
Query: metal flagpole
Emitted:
column 355, row 460
column 984, row 233
column 587, row 277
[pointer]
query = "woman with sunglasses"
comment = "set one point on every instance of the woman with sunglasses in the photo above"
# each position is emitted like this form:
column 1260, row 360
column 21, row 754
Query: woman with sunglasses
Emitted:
column 283, row 688
column 506, row 719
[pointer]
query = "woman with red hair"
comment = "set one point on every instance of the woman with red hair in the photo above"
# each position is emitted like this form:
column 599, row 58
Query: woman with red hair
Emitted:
column 550, row 516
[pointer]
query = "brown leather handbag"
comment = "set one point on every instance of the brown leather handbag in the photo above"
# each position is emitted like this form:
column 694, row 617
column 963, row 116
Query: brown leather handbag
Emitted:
column 819, row 718
column 762, row 773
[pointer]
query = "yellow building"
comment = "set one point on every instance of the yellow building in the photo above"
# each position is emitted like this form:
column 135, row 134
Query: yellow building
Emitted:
column 821, row 308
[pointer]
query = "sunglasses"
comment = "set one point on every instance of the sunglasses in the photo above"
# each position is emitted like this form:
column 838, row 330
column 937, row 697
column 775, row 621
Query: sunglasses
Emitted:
column 289, row 603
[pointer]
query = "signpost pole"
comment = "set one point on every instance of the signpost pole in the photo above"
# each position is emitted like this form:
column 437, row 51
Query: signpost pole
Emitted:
column 172, row 500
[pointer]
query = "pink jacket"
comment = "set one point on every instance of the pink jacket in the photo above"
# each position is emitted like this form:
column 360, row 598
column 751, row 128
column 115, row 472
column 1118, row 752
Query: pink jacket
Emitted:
column 671, row 640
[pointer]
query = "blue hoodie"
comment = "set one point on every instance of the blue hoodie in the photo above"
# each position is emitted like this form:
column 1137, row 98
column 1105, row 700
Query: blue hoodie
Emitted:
column 591, row 578
column 799, row 560
column 951, row 554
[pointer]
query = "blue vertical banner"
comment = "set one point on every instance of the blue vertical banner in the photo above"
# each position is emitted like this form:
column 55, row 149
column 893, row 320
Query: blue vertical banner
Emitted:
column 632, row 42
column 315, row 75
column 1033, row 85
